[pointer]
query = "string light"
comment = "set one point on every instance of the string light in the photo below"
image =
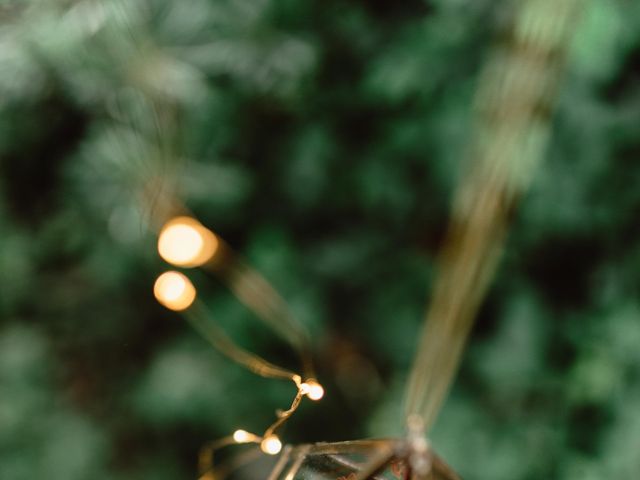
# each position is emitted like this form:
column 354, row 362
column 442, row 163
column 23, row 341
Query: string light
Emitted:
column 271, row 445
column 174, row 291
column 185, row 242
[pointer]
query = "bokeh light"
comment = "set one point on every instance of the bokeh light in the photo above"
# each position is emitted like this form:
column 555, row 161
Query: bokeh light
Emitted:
column 242, row 436
column 271, row 445
column 185, row 242
column 314, row 390
column 174, row 290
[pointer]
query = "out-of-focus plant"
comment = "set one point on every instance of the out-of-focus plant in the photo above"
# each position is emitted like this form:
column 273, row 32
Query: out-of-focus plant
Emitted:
column 322, row 141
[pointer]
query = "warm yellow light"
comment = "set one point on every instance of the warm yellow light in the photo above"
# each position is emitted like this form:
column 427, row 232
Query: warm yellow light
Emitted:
column 312, row 389
column 185, row 242
column 241, row 436
column 271, row 445
column 304, row 388
column 174, row 291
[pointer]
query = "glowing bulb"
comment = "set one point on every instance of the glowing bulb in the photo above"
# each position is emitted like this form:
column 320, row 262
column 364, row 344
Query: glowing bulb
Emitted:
column 312, row 389
column 185, row 242
column 241, row 436
column 271, row 445
column 174, row 291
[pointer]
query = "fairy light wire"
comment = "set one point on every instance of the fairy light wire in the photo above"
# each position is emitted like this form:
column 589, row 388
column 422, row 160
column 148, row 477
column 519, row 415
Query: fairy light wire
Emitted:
column 199, row 319
column 256, row 292
column 269, row 442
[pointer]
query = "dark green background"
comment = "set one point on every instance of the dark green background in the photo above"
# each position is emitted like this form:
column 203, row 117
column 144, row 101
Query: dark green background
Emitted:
column 322, row 140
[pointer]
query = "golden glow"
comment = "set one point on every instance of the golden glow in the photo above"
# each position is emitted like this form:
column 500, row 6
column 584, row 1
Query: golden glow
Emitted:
column 185, row 242
column 242, row 436
column 312, row 389
column 174, row 291
column 271, row 445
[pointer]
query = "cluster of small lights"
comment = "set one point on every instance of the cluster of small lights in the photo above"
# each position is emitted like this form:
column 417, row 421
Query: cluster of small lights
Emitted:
column 185, row 242
column 271, row 444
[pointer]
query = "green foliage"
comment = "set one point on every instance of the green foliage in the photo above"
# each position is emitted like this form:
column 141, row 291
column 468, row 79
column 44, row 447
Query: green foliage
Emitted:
column 322, row 141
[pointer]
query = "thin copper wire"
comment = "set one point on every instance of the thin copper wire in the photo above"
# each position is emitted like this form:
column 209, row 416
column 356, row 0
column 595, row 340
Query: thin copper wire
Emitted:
column 198, row 318
column 259, row 295
column 283, row 416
